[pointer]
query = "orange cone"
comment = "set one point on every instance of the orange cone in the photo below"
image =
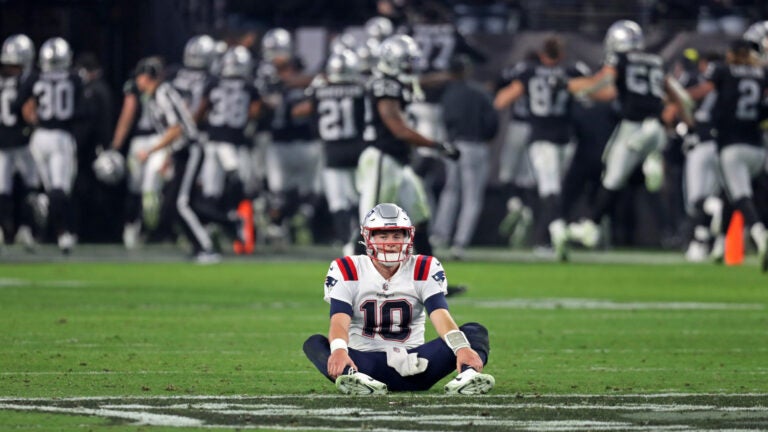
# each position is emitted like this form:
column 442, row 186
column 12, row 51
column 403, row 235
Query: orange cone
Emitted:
column 245, row 210
column 734, row 240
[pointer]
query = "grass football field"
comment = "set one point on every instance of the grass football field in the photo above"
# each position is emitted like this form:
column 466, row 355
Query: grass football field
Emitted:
column 597, row 344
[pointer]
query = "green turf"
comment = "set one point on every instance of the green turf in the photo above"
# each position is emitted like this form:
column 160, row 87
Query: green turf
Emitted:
column 77, row 329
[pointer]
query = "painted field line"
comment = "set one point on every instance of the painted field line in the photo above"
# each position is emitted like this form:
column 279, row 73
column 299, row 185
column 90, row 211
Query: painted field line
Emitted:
column 192, row 372
column 415, row 396
column 598, row 304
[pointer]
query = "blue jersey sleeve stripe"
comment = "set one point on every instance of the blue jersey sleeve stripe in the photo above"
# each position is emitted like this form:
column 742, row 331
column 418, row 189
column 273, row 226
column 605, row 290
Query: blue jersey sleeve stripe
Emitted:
column 338, row 306
column 434, row 302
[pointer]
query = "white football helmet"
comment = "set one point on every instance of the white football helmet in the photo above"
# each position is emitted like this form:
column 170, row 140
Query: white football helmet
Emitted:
column 237, row 63
column 342, row 42
column 387, row 217
column 109, row 166
column 342, row 66
column 365, row 59
column 55, row 55
column 18, row 50
column 399, row 56
column 379, row 28
column 277, row 42
column 623, row 36
column 199, row 52
column 757, row 33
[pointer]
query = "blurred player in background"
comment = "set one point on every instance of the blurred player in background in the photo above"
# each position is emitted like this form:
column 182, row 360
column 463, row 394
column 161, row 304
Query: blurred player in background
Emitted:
column 471, row 122
column 52, row 104
column 338, row 103
column 551, row 147
column 16, row 59
column 741, row 86
column 638, row 80
column 379, row 304
column 228, row 104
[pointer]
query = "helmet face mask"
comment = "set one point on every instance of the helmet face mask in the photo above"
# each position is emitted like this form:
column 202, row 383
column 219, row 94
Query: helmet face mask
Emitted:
column 624, row 36
column 236, row 63
column 399, row 56
column 276, row 42
column 199, row 52
column 388, row 218
column 342, row 67
column 55, row 55
column 18, row 50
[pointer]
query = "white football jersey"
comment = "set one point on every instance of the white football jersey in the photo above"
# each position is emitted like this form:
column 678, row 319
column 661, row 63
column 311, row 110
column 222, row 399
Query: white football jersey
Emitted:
column 385, row 312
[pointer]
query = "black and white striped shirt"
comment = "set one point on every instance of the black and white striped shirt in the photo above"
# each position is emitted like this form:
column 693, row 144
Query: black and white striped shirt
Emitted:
column 166, row 109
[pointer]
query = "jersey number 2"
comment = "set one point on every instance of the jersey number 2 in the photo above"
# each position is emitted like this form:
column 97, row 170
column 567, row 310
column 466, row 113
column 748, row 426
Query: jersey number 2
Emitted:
column 391, row 319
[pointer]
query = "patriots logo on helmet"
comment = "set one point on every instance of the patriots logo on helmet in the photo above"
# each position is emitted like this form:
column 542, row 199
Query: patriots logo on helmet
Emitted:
column 439, row 276
column 330, row 282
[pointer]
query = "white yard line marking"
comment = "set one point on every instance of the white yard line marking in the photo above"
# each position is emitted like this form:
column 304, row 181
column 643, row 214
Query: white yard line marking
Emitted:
column 141, row 418
column 597, row 304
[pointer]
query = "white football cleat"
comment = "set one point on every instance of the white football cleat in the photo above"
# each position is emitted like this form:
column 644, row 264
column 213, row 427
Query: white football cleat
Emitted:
column 358, row 383
column 24, row 237
column 558, row 233
column 586, row 232
column 470, row 382
column 697, row 252
column 66, row 243
column 131, row 233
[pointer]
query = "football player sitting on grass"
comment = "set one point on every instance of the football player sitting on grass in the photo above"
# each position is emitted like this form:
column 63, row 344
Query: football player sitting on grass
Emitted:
column 379, row 303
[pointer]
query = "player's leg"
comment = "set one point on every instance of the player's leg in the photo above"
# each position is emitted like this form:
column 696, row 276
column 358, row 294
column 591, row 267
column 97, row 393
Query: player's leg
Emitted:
column 198, row 235
column 360, row 382
column 62, row 165
column 447, row 205
column 545, row 159
column 133, row 198
column 740, row 163
column 474, row 168
column 700, row 184
column 25, row 166
column 342, row 201
column 6, row 200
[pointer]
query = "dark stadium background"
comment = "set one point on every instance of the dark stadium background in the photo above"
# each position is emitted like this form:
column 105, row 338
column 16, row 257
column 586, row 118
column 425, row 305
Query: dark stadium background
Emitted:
column 119, row 32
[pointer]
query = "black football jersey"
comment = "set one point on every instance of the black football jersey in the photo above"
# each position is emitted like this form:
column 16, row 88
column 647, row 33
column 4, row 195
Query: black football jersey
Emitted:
column 703, row 113
column 58, row 95
column 640, row 84
column 549, row 101
column 340, row 120
column 284, row 126
column 13, row 129
column 737, row 112
column 143, row 124
column 229, row 104
column 379, row 88
column 190, row 83
column 519, row 108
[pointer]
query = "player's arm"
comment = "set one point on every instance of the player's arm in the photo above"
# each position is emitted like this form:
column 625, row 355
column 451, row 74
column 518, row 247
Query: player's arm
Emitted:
column 170, row 135
column 392, row 116
column 338, row 335
column 302, row 109
column 254, row 109
column 202, row 109
column 593, row 86
column 508, row 94
column 124, row 122
column 455, row 339
column 29, row 111
column 680, row 98
column 700, row 90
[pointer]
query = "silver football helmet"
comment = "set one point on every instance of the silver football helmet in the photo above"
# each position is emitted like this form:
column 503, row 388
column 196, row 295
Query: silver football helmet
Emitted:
column 237, row 63
column 18, row 50
column 109, row 166
column 342, row 66
column 55, row 55
column 379, row 28
column 199, row 52
column 387, row 217
column 757, row 33
column 365, row 60
column 342, row 42
column 623, row 36
column 399, row 56
column 276, row 42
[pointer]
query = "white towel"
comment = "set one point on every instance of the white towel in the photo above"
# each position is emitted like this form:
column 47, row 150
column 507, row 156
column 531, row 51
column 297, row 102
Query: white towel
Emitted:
column 405, row 364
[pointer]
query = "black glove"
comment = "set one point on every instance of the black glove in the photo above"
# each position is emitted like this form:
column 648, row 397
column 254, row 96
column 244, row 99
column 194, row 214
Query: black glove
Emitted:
column 448, row 150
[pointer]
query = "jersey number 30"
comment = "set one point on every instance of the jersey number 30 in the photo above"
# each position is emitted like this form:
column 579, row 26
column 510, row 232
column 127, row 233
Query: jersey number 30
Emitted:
column 390, row 319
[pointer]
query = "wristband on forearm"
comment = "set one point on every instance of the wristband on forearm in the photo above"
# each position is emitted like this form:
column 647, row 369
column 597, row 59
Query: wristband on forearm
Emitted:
column 339, row 343
column 456, row 340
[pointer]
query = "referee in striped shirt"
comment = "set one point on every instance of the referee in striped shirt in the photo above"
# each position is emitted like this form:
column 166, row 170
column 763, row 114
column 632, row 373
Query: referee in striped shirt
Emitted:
column 172, row 120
